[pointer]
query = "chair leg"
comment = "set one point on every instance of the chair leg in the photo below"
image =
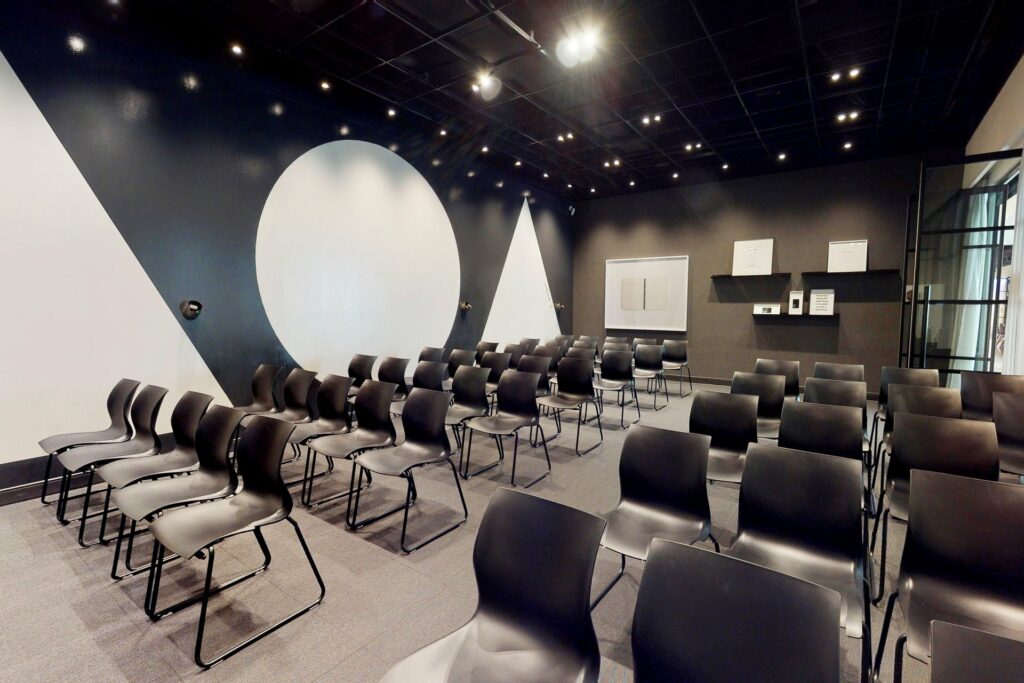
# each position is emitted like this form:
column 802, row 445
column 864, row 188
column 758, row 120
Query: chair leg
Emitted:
column 310, row 503
column 618, row 575
column 469, row 448
column 515, row 453
column 886, row 622
column 897, row 664
column 352, row 513
column 465, row 516
column 882, row 559
column 46, row 479
column 579, row 425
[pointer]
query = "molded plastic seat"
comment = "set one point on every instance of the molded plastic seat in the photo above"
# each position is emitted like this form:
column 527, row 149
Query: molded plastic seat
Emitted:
column 645, row 341
column 963, row 654
column 770, row 391
column 532, row 620
column 977, row 388
column 583, row 353
column 705, row 617
column 1008, row 411
column 539, row 365
column 839, row 392
column 820, row 428
column 848, row 372
column 458, row 358
column 296, row 398
column 118, row 401
column 617, row 377
column 674, row 356
column 923, row 377
column 648, row 365
column 429, row 375
column 484, row 348
column 432, row 354
column 332, row 411
column 617, row 340
column 360, row 369
column 374, row 427
column 515, row 352
column 497, row 363
column 574, row 392
column 790, row 369
column 529, row 344
column 731, row 422
column 392, row 371
column 469, row 395
column 264, row 382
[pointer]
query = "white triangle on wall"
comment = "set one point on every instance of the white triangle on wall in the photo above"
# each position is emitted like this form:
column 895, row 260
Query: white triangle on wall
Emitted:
column 522, row 304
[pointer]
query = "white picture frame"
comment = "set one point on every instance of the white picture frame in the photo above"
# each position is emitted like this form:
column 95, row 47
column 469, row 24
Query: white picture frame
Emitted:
column 752, row 257
column 848, row 256
column 649, row 293
column 822, row 302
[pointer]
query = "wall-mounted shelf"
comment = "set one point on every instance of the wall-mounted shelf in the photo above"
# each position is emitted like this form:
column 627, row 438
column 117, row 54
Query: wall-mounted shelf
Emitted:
column 720, row 276
column 875, row 271
column 788, row 316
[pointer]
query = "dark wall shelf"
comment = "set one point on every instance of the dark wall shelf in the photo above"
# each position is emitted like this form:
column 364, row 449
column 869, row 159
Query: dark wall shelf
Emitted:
column 876, row 271
column 720, row 276
column 788, row 316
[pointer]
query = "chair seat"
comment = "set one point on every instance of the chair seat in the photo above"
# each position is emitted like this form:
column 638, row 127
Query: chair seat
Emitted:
column 898, row 498
column 488, row 650
column 344, row 445
column 502, row 423
column 610, row 384
column 257, row 408
column 148, row 497
column 291, row 415
column 83, row 456
column 839, row 573
column 631, row 527
column 264, row 413
column 564, row 401
column 457, row 414
column 768, row 427
column 189, row 530
column 59, row 442
column 639, row 373
column 977, row 415
column 310, row 430
column 121, row 473
column 669, row 365
column 396, row 461
column 1011, row 459
column 726, row 465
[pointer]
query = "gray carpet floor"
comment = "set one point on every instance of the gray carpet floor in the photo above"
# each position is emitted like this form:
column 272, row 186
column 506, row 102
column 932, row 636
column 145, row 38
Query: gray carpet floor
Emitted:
column 62, row 618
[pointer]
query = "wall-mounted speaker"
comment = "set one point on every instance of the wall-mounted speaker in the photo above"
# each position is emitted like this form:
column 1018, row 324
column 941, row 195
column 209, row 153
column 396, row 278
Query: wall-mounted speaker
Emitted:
column 190, row 309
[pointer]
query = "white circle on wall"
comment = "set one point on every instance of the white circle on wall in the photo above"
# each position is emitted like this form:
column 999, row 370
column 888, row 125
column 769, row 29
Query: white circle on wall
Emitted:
column 356, row 254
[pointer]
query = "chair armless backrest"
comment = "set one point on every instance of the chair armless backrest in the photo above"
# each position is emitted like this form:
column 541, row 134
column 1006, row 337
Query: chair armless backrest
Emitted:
column 647, row 341
column 921, row 377
column 576, row 376
column 848, row 372
column 515, row 352
column 429, row 375
column 517, row 394
column 560, row 347
column 360, row 368
column 812, row 499
column 469, row 387
column 619, row 346
column 213, row 439
column 977, row 389
column 1008, row 415
column 589, row 338
column 648, row 357
column 539, row 582
column 617, row 365
column 296, row 389
column 729, row 419
column 579, row 353
column 738, row 621
column 529, row 344
column 539, row 365
column 674, row 351
column 617, row 340
column 392, row 370
column 790, row 369
column 934, row 401
column 373, row 407
column 332, row 399
column 496, row 362
column 564, row 337
column 592, row 345
column 119, row 401
column 960, row 653
column 259, row 454
column 312, row 402
column 432, row 354
column 423, row 421
column 144, row 413
column 666, row 469
column 264, row 381
column 186, row 416
column 549, row 351
column 942, row 444
column 483, row 348
column 458, row 358
column 838, row 392
column 820, row 428
column 769, row 389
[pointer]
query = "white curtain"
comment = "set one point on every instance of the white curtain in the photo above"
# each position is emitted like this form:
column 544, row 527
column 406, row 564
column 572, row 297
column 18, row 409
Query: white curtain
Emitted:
column 976, row 275
column 1013, row 356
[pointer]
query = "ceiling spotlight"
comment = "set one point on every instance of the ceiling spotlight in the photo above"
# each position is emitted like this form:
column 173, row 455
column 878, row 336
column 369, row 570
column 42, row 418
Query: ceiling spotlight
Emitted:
column 725, row 167
column 485, row 149
column 526, row 193
column 343, row 130
column 545, row 175
column 190, row 82
column 393, row 146
column 500, row 184
column 435, row 162
column 277, row 109
column 237, row 50
column 392, row 113
column 854, row 115
column 782, row 156
column 593, row 189
column 632, row 183
column 569, row 185
column 488, row 86
column 578, row 47
column 697, row 146
column 847, row 145
column 854, row 72
column 689, row 147
column 615, row 162
column 841, row 116
column 518, row 163
column 646, row 120
column 561, row 138
column 475, row 87
column 443, row 132
column 657, row 118
column 835, row 76
column 607, row 164
column 76, row 43
column 471, row 174
column 568, row 136
column 325, row 85
column 675, row 176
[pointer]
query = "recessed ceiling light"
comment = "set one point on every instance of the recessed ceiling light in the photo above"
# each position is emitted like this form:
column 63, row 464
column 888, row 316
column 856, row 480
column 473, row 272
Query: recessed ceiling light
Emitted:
column 568, row 136
column 632, row 183
column 435, row 162
column 646, row 120
column 854, row 72
column 392, row 113
column 841, row 116
column 607, row 164
column 569, row 185
column 325, row 85
column 76, row 43
column 471, row 174
column 782, row 156
column 518, row 163
column 443, row 132
column 545, row 175
column 689, row 147
column 277, row 109
column 593, row 189
column 485, row 149
column 854, row 115
column 697, row 146
column 343, row 130
column 675, row 176
column 835, row 76
column 725, row 167
column 657, row 118
column 615, row 162
column 237, row 49
column 526, row 193
column 190, row 82
column 847, row 145
column 500, row 184
column 476, row 87
column 393, row 146
column 561, row 138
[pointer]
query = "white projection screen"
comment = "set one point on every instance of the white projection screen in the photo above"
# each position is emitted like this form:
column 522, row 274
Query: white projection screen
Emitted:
column 646, row 293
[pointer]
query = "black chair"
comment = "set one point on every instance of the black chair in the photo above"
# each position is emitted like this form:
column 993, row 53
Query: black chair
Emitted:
column 961, row 562
column 426, row 443
column 1008, row 414
column 617, row 377
column 553, row 353
column 559, row 345
column 840, row 392
column 144, row 442
column 332, row 411
column 392, row 371
column 540, row 365
column 469, row 400
column 675, row 359
column 919, row 400
column 590, row 338
column 295, row 405
column 960, row 653
column 264, row 388
column 617, row 340
column 590, row 345
column 432, row 354
column 118, row 401
column 731, row 422
column 575, row 391
column 646, row 341
column 977, row 389
column 360, row 369
column 426, row 375
column 374, row 430
column 619, row 346
column 702, row 616
column 800, row 514
column 649, row 366
column 496, row 364
column 584, row 353
column 458, row 358
column 213, row 478
column 923, row 377
column 484, row 348
column 790, row 369
column 517, row 408
column 848, row 372
column 770, row 391
column 534, row 561
column 567, row 338
column 820, row 428
column 197, row 530
column 515, row 352
column 529, row 344
column 663, row 494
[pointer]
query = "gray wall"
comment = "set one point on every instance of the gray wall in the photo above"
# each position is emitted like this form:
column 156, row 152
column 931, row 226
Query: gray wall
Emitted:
column 802, row 211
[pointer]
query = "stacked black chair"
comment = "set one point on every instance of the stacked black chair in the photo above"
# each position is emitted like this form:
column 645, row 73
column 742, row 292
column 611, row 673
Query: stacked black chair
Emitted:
column 264, row 389
column 922, row 377
column 426, row 443
column 432, row 354
column 214, row 478
column 790, row 369
column 1008, row 414
column 701, row 616
column 617, row 377
column 770, row 391
column 197, row 530
column 469, row 400
column 649, row 366
column 847, row 372
column 360, row 369
column 529, row 344
column 961, row 562
column 517, row 408
column 515, row 352
column 575, row 392
column 731, row 422
column 663, row 494
column 392, row 371
column 118, row 401
column 532, row 620
column 484, row 348
column 374, row 430
column 977, row 389
column 960, row 653
column 675, row 359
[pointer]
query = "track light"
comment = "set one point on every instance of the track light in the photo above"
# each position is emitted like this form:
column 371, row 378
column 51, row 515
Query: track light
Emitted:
column 443, row 132
column 76, row 43
column 782, row 156
column 518, row 163
column 578, row 47
column 392, row 113
column 725, row 167
column 675, row 176
column 277, row 109
column 847, row 145
column 485, row 149
column 237, row 49
column 835, row 76
column 487, row 85
column 545, row 175
column 632, row 183
column 190, row 82
column 854, row 72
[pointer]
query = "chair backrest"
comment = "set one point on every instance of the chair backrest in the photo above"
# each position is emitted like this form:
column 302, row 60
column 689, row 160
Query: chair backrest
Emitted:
column 517, row 393
column 332, row 400
column 360, row 368
column 934, row 401
column 838, row 392
column 539, row 582
column 941, row 444
column 589, row 338
column 483, row 348
column 431, row 353
column 820, row 428
column 469, row 387
column 1008, row 415
column 458, row 358
column 564, row 338
column 392, row 370
column 807, row 499
column 213, row 438
column 729, row 419
column 674, row 351
column 373, row 406
column 769, row 389
column 977, row 388
column 790, row 369
column 646, row 341
column 312, row 405
column 496, row 362
column 263, row 381
column 560, row 346
column 258, row 455
column 550, row 352
column 617, row 364
column 539, row 365
column 960, row 653
column 581, row 344
column 617, row 340
column 119, row 400
column 648, row 356
column 296, row 389
column 849, row 372
column 144, row 412
column 186, row 416
column 515, row 352
column 922, row 377
column 423, row 421
column 666, row 469
column 701, row 616
column 529, row 344
column 429, row 375
column 579, row 353
column 620, row 346
column 576, row 376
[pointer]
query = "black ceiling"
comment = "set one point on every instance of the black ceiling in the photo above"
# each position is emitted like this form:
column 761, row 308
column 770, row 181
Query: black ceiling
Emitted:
column 745, row 80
